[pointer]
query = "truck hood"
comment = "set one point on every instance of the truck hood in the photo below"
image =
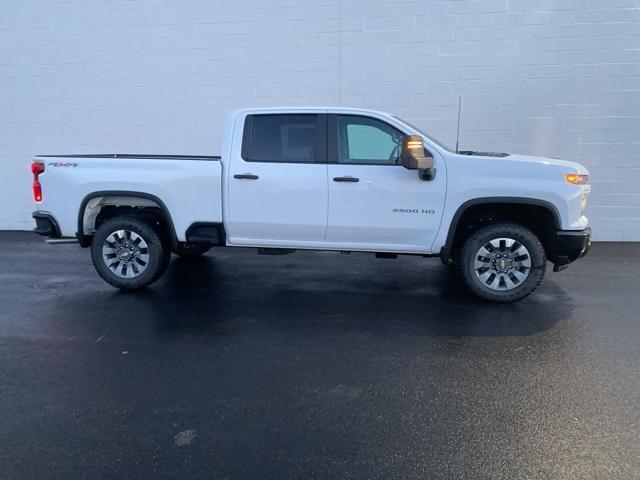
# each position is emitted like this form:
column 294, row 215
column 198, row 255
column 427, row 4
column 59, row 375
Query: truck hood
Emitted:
column 530, row 159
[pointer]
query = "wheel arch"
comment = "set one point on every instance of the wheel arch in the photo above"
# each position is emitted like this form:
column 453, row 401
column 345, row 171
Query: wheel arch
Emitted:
column 139, row 199
column 499, row 203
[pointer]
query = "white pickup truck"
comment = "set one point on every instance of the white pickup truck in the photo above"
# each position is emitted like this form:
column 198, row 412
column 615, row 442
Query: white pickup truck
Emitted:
column 324, row 179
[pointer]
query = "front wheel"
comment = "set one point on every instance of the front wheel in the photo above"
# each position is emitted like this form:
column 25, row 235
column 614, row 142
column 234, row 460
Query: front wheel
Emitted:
column 129, row 252
column 502, row 262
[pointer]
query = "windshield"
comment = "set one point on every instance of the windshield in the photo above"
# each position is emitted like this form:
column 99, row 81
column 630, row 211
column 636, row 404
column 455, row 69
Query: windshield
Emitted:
column 424, row 134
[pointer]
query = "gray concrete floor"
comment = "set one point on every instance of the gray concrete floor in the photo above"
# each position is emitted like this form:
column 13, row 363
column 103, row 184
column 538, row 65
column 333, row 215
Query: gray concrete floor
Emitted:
column 315, row 365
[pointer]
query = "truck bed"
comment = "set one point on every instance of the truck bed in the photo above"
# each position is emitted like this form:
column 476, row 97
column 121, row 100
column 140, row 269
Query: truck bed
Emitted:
column 145, row 156
column 188, row 187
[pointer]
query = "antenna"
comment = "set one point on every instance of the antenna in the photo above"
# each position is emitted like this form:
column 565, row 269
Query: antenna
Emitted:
column 458, row 132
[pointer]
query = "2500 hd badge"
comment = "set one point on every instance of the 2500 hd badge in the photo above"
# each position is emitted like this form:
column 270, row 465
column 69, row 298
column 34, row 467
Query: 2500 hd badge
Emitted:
column 414, row 210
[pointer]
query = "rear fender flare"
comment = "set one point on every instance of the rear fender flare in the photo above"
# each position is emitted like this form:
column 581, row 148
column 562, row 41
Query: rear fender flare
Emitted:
column 85, row 240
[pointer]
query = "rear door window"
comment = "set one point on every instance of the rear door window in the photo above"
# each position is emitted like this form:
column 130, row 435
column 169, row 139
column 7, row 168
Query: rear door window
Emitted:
column 283, row 138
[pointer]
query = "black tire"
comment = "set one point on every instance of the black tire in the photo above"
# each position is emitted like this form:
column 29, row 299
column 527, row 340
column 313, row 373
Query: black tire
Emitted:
column 157, row 249
column 471, row 248
column 191, row 251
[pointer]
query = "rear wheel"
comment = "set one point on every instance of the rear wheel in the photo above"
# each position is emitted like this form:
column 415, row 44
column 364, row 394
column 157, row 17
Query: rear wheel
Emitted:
column 502, row 263
column 129, row 253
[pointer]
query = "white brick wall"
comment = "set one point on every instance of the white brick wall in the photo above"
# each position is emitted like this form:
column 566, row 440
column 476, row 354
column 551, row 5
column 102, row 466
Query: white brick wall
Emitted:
column 548, row 77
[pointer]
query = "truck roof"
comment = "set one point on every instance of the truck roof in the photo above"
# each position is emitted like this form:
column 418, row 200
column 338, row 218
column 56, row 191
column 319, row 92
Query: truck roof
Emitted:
column 318, row 108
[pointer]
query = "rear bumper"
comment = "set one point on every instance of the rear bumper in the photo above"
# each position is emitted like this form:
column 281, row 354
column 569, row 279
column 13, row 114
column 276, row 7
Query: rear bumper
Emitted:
column 46, row 224
column 570, row 245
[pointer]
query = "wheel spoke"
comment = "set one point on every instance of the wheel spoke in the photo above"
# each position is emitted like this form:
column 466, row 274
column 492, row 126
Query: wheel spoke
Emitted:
column 520, row 275
column 493, row 245
column 509, row 283
column 484, row 276
column 522, row 261
column 481, row 262
column 520, row 250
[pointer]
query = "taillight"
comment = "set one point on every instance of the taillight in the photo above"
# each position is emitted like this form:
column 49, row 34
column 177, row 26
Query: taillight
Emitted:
column 37, row 168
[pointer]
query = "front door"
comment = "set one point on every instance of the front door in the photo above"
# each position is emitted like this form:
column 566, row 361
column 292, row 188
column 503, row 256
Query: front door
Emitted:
column 277, row 188
column 373, row 201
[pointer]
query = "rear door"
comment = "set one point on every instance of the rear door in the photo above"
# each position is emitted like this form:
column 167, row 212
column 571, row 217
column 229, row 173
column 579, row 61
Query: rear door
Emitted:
column 373, row 201
column 277, row 190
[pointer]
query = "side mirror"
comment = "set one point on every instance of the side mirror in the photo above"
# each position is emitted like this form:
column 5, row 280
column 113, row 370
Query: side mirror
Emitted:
column 414, row 157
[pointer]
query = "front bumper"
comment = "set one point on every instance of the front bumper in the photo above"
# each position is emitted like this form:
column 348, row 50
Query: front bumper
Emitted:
column 46, row 225
column 570, row 245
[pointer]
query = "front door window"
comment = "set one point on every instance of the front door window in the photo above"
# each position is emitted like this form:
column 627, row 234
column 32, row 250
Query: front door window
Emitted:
column 367, row 141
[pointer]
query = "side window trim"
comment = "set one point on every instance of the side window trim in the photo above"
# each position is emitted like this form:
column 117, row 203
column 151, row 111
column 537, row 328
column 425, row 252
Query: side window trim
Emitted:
column 332, row 140
column 320, row 146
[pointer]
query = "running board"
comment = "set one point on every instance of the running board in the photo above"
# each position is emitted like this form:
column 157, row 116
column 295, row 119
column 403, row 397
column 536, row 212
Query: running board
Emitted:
column 61, row 240
column 275, row 251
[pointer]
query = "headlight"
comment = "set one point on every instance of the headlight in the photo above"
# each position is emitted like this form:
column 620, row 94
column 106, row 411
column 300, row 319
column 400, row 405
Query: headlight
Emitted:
column 576, row 178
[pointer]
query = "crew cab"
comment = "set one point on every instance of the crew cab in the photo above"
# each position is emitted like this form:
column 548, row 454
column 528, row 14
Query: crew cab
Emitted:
column 342, row 179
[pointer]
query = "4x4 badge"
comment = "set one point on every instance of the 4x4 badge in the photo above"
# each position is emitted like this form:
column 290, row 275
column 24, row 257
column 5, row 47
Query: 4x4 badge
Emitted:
column 62, row 164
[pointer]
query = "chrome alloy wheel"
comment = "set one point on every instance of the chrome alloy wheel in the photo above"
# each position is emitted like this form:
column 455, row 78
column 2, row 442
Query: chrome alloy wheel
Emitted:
column 125, row 253
column 502, row 264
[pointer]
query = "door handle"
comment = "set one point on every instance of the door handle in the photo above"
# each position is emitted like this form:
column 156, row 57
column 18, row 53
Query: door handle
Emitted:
column 246, row 176
column 346, row 179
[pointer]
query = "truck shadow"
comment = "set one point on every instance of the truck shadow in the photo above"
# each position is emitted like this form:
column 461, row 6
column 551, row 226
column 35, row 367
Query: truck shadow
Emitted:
column 210, row 296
